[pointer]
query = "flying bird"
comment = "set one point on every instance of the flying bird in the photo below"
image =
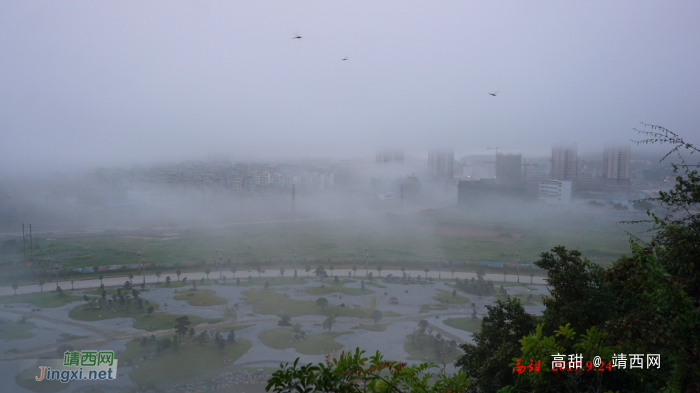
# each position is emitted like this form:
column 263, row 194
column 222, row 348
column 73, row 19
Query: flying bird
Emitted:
column 493, row 94
column 296, row 35
column 345, row 58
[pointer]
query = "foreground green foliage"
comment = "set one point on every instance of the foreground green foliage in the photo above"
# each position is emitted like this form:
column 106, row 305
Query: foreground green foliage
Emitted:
column 351, row 372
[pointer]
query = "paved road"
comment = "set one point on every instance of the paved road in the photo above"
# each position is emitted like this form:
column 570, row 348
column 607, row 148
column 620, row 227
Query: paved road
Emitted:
column 151, row 278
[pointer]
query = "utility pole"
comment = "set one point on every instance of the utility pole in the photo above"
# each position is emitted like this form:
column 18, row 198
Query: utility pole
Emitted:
column 31, row 245
column 294, row 261
column 293, row 207
column 138, row 255
column 49, row 269
column 144, row 271
column 518, row 254
column 221, row 267
column 401, row 208
column 57, row 267
column 439, row 260
column 366, row 262
column 24, row 245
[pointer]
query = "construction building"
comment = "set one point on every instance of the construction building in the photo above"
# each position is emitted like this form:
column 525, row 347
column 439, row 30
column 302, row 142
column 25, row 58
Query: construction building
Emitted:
column 389, row 156
column 616, row 169
column 441, row 164
column 565, row 163
column 509, row 169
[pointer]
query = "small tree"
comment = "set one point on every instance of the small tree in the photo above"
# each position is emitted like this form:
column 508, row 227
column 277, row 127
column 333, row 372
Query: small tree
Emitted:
column 453, row 272
column 234, row 269
column 131, row 277
column 403, row 269
column 379, row 269
column 41, row 285
column 181, row 326
column 532, row 274
column 376, row 316
column 72, row 280
column 281, row 272
column 178, row 274
column 191, row 332
column 328, row 323
column 307, row 268
column 231, row 337
column 354, row 270
column 322, row 302
column 207, row 271
column 101, row 277
column 167, row 280
column 422, row 325
column 150, row 310
column 426, row 270
column 258, row 268
column 332, row 268
column 158, row 275
column 15, row 286
column 321, row 273
column 505, row 271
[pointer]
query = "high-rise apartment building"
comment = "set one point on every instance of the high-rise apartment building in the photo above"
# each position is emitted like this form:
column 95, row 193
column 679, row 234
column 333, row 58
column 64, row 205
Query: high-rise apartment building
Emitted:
column 387, row 156
column 616, row 165
column 564, row 163
column 441, row 164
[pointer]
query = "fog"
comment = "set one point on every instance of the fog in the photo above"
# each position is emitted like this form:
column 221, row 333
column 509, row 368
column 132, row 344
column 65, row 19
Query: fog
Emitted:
column 91, row 84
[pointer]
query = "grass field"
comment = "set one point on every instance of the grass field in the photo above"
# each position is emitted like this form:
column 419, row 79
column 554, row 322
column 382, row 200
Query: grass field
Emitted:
column 468, row 324
column 65, row 337
column 446, row 297
column 113, row 291
column 431, row 307
column 158, row 320
column 43, row 300
column 269, row 302
column 276, row 281
column 463, row 234
column 235, row 328
column 187, row 361
column 26, row 380
column 379, row 327
column 200, row 297
column 313, row 344
column 331, row 287
column 424, row 353
column 10, row 330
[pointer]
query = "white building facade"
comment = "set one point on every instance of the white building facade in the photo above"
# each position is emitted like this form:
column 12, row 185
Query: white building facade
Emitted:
column 555, row 192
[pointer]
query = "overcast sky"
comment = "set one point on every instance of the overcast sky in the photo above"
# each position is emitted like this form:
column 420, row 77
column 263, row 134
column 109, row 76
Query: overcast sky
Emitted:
column 119, row 82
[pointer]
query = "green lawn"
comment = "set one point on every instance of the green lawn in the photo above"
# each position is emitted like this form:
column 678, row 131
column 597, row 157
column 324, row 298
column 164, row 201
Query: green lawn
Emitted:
column 65, row 337
column 255, row 281
column 189, row 360
column 200, row 297
column 312, row 344
column 446, row 297
column 379, row 327
column 43, row 300
column 158, row 320
column 332, row 287
column 13, row 330
column 463, row 234
column 468, row 324
column 26, row 380
column 113, row 291
column 427, row 352
column 320, row 344
column 269, row 302
column 235, row 328
column 430, row 307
